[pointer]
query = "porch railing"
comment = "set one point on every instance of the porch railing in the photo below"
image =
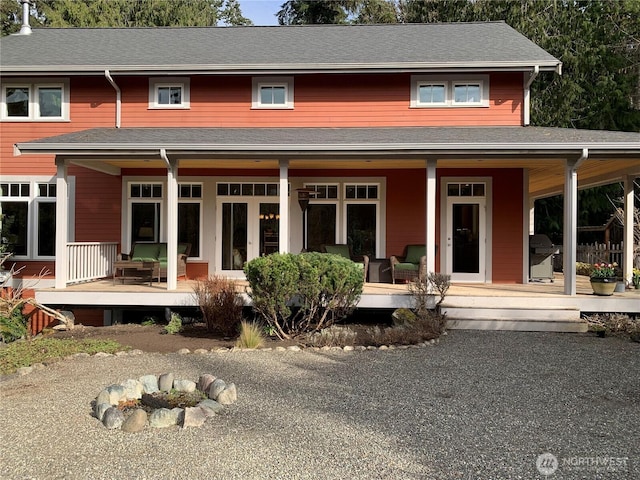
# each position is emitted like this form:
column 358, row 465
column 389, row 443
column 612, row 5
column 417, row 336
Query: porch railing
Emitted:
column 90, row 260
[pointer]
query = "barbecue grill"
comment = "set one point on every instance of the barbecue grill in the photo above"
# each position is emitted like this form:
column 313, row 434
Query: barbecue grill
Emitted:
column 541, row 252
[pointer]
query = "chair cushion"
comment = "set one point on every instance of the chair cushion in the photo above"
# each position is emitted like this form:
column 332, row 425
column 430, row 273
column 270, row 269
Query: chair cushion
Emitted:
column 342, row 250
column 145, row 252
column 182, row 248
column 414, row 252
column 407, row 266
column 162, row 253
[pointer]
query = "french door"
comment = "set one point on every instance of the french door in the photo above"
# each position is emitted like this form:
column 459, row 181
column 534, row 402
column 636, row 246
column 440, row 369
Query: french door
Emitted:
column 247, row 228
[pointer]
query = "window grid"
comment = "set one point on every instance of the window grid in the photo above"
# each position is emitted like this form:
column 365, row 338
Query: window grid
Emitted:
column 466, row 189
column 323, row 190
column 190, row 190
column 361, row 191
column 246, row 189
column 145, row 190
column 47, row 190
column 15, row 190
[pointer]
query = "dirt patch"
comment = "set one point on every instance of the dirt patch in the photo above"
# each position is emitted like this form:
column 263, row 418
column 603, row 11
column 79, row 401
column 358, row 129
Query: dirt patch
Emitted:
column 149, row 338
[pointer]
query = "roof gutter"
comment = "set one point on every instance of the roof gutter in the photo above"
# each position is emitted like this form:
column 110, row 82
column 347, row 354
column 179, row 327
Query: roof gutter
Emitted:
column 118, row 97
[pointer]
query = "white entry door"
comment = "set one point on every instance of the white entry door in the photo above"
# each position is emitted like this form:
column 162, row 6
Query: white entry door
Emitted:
column 466, row 232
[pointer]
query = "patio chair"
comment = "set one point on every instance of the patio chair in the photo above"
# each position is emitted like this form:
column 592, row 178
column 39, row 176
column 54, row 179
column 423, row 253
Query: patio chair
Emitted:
column 345, row 251
column 412, row 265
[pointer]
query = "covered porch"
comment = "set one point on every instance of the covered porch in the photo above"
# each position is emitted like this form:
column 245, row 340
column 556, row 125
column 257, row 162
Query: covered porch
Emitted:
column 545, row 161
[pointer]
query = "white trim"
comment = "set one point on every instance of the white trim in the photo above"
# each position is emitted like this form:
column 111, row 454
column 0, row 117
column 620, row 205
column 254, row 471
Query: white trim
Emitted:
column 158, row 82
column 34, row 86
column 449, row 82
column 257, row 83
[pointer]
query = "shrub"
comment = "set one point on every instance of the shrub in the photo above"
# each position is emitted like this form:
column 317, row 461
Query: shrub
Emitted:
column 333, row 336
column 298, row 293
column 175, row 324
column 430, row 319
column 250, row 335
column 614, row 323
column 220, row 304
column 13, row 325
column 584, row 269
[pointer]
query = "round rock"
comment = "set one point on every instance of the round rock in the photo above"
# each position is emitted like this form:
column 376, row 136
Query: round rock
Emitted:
column 113, row 418
column 135, row 422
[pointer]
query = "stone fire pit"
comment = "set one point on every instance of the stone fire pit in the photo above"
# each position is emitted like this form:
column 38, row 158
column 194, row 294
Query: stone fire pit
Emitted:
column 162, row 401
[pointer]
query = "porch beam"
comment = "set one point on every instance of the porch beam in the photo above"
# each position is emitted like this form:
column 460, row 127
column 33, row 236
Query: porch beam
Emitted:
column 431, row 214
column 570, row 229
column 172, row 220
column 62, row 223
column 284, row 207
column 629, row 207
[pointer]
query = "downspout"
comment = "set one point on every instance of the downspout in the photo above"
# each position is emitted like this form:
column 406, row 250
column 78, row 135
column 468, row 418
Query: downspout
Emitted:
column 527, row 94
column 118, row 97
column 163, row 156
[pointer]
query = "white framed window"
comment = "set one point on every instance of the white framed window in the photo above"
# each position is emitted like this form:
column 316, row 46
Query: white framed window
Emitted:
column 272, row 92
column 26, row 101
column 169, row 92
column 145, row 203
column 428, row 91
column 362, row 217
column 28, row 216
column 190, row 216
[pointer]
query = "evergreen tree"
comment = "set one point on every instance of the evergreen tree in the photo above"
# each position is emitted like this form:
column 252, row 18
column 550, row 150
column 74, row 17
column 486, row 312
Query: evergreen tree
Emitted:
column 124, row 13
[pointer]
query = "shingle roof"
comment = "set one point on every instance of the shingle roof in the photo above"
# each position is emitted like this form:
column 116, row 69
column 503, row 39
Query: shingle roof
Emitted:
column 313, row 47
column 342, row 139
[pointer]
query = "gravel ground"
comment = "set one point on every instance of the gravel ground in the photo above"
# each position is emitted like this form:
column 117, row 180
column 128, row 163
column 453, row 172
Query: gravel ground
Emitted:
column 480, row 405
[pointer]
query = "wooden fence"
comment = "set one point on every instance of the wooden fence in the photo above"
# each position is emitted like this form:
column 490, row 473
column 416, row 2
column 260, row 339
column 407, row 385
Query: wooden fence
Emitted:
column 598, row 253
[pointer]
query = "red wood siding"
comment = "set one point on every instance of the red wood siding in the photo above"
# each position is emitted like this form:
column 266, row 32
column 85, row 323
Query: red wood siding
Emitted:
column 507, row 226
column 98, row 206
column 92, row 105
column 319, row 101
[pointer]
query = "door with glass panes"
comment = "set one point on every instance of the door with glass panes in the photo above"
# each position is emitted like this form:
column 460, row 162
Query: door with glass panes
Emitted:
column 248, row 224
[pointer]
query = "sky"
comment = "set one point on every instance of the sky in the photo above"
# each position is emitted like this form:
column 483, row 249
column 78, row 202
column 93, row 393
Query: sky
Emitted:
column 261, row 12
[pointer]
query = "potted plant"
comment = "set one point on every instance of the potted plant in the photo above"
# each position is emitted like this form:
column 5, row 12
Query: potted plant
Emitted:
column 636, row 278
column 603, row 278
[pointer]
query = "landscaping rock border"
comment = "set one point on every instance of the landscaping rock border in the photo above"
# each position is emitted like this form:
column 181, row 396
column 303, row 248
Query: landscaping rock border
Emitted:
column 204, row 351
column 218, row 393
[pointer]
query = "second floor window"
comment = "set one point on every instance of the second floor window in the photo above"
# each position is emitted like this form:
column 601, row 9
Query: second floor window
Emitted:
column 169, row 93
column 35, row 101
column 272, row 92
column 449, row 91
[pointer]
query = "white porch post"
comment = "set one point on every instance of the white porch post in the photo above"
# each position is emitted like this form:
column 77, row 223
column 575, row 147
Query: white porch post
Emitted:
column 284, row 206
column 627, row 268
column 62, row 222
column 172, row 224
column 431, row 214
column 570, row 229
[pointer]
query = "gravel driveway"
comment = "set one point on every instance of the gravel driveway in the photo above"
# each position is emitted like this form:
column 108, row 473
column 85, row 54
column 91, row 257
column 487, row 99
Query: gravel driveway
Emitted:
column 480, row 405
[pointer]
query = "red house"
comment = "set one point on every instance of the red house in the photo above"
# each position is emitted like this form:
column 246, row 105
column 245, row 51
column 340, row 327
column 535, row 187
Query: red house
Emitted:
column 402, row 134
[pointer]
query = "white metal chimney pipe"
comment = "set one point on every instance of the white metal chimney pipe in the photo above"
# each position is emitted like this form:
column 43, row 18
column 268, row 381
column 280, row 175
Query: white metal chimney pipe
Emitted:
column 26, row 28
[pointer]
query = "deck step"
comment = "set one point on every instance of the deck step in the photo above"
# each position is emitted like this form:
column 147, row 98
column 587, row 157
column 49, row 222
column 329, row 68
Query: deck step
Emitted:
column 543, row 318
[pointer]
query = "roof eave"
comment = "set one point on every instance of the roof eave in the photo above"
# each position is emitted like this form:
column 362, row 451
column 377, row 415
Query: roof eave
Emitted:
column 283, row 68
